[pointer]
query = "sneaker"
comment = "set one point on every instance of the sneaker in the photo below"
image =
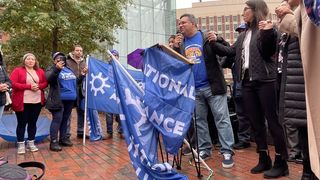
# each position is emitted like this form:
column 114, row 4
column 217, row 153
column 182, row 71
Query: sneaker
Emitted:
column 204, row 156
column 54, row 146
column 66, row 142
column 227, row 161
column 21, row 148
column 31, row 147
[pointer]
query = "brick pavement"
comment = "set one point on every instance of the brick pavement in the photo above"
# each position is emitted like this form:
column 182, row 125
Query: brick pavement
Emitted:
column 109, row 159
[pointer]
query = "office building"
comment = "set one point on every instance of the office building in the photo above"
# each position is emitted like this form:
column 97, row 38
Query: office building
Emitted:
column 148, row 22
column 223, row 16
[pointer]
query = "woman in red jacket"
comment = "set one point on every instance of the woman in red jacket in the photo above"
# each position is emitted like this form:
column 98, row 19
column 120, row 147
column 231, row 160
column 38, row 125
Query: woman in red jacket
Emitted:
column 28, row 83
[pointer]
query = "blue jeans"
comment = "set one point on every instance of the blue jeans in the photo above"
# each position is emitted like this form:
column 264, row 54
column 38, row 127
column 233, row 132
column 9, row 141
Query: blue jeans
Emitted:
column 219, row 107
column 80, row 123
column 109, row 122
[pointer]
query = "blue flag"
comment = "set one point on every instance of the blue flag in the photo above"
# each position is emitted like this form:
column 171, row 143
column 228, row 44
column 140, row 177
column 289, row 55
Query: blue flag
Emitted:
column 169, row 96
column 101, row 88
column 140, row 134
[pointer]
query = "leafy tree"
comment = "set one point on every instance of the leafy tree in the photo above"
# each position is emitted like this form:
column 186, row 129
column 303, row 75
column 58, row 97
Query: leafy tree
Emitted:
column 46, row 26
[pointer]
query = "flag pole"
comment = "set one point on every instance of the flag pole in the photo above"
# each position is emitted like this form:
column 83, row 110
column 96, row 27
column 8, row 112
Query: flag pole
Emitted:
column 85, row 104
column 131, row 78
column 173, row 53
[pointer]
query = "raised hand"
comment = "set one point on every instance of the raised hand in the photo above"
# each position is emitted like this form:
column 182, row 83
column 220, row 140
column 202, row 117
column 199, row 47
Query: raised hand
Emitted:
column 265, row 25
column 212, row 36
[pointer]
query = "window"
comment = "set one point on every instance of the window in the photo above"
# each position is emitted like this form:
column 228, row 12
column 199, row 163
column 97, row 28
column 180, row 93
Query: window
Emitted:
column 235, row 18
column 147, row 16
column 236, row 36
column 147, row 3
column 227, row 35
column 227, row 18
column 235, row 26
column 204, row 20
column 159, row 25
column 227, row 27
column 211, row 27
column 211, row 20
column 203, row 27
column 219, row 19
column 219, row 28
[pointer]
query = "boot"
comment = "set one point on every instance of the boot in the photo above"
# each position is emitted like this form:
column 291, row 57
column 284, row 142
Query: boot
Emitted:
column 280, row 168
column 21, row 148
column 264, row 164
column 307, row 173
column 31, row 147
column 65, row 142
column 54, row 146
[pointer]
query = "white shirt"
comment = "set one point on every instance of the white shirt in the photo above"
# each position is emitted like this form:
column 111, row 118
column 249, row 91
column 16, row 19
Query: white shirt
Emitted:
column 246, row 48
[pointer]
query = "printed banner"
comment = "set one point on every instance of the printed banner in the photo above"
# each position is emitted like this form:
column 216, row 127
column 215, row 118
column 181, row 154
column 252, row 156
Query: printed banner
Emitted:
column 169, row 96
column 140, row 134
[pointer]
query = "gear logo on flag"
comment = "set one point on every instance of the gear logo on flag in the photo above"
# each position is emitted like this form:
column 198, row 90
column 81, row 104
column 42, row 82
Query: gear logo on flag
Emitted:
column 103, row 83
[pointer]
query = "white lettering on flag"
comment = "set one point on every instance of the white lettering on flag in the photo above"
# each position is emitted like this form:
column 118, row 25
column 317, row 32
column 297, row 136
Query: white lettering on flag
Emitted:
column 178, row 125
column 165, row 82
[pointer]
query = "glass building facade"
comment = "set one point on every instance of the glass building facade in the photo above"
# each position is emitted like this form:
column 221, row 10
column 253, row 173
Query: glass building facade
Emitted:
column 148, row 22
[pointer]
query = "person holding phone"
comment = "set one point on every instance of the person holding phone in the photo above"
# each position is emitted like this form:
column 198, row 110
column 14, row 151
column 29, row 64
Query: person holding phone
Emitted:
column 62, row 96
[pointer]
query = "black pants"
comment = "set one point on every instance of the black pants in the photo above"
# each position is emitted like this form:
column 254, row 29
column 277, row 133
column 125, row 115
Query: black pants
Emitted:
column 60, row 120
column 260, row 101
column 28, row 116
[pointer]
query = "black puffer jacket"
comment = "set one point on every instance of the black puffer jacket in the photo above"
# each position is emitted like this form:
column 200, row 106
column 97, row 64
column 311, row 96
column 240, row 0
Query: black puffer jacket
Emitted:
column 292, row 104
column 262, row 64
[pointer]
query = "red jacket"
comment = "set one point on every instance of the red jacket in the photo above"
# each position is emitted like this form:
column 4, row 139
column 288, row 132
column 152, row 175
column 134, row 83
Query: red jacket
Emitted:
column 18, row 78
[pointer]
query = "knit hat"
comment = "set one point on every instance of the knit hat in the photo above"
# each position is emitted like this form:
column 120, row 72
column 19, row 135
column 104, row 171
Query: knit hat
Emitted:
column 56, row 54
column 114, row 52
column 26, row 55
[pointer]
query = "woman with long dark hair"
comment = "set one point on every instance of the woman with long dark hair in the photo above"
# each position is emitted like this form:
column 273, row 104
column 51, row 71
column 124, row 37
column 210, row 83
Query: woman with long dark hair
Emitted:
column 256, row 68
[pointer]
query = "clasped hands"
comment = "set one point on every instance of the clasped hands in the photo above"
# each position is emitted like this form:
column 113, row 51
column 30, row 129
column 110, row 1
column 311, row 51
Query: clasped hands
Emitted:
column 4, row 87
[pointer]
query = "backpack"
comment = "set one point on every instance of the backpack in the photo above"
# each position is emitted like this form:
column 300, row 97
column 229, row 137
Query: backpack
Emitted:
column 18, row 172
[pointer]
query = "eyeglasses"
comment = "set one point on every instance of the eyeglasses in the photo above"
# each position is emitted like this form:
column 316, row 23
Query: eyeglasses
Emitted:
column 246, row 8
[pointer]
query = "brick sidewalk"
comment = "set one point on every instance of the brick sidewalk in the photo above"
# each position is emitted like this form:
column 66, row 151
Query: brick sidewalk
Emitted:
column 109, row 159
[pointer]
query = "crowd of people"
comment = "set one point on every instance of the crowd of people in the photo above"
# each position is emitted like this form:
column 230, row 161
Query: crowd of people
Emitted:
column 64, row 81
column 268, row 89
